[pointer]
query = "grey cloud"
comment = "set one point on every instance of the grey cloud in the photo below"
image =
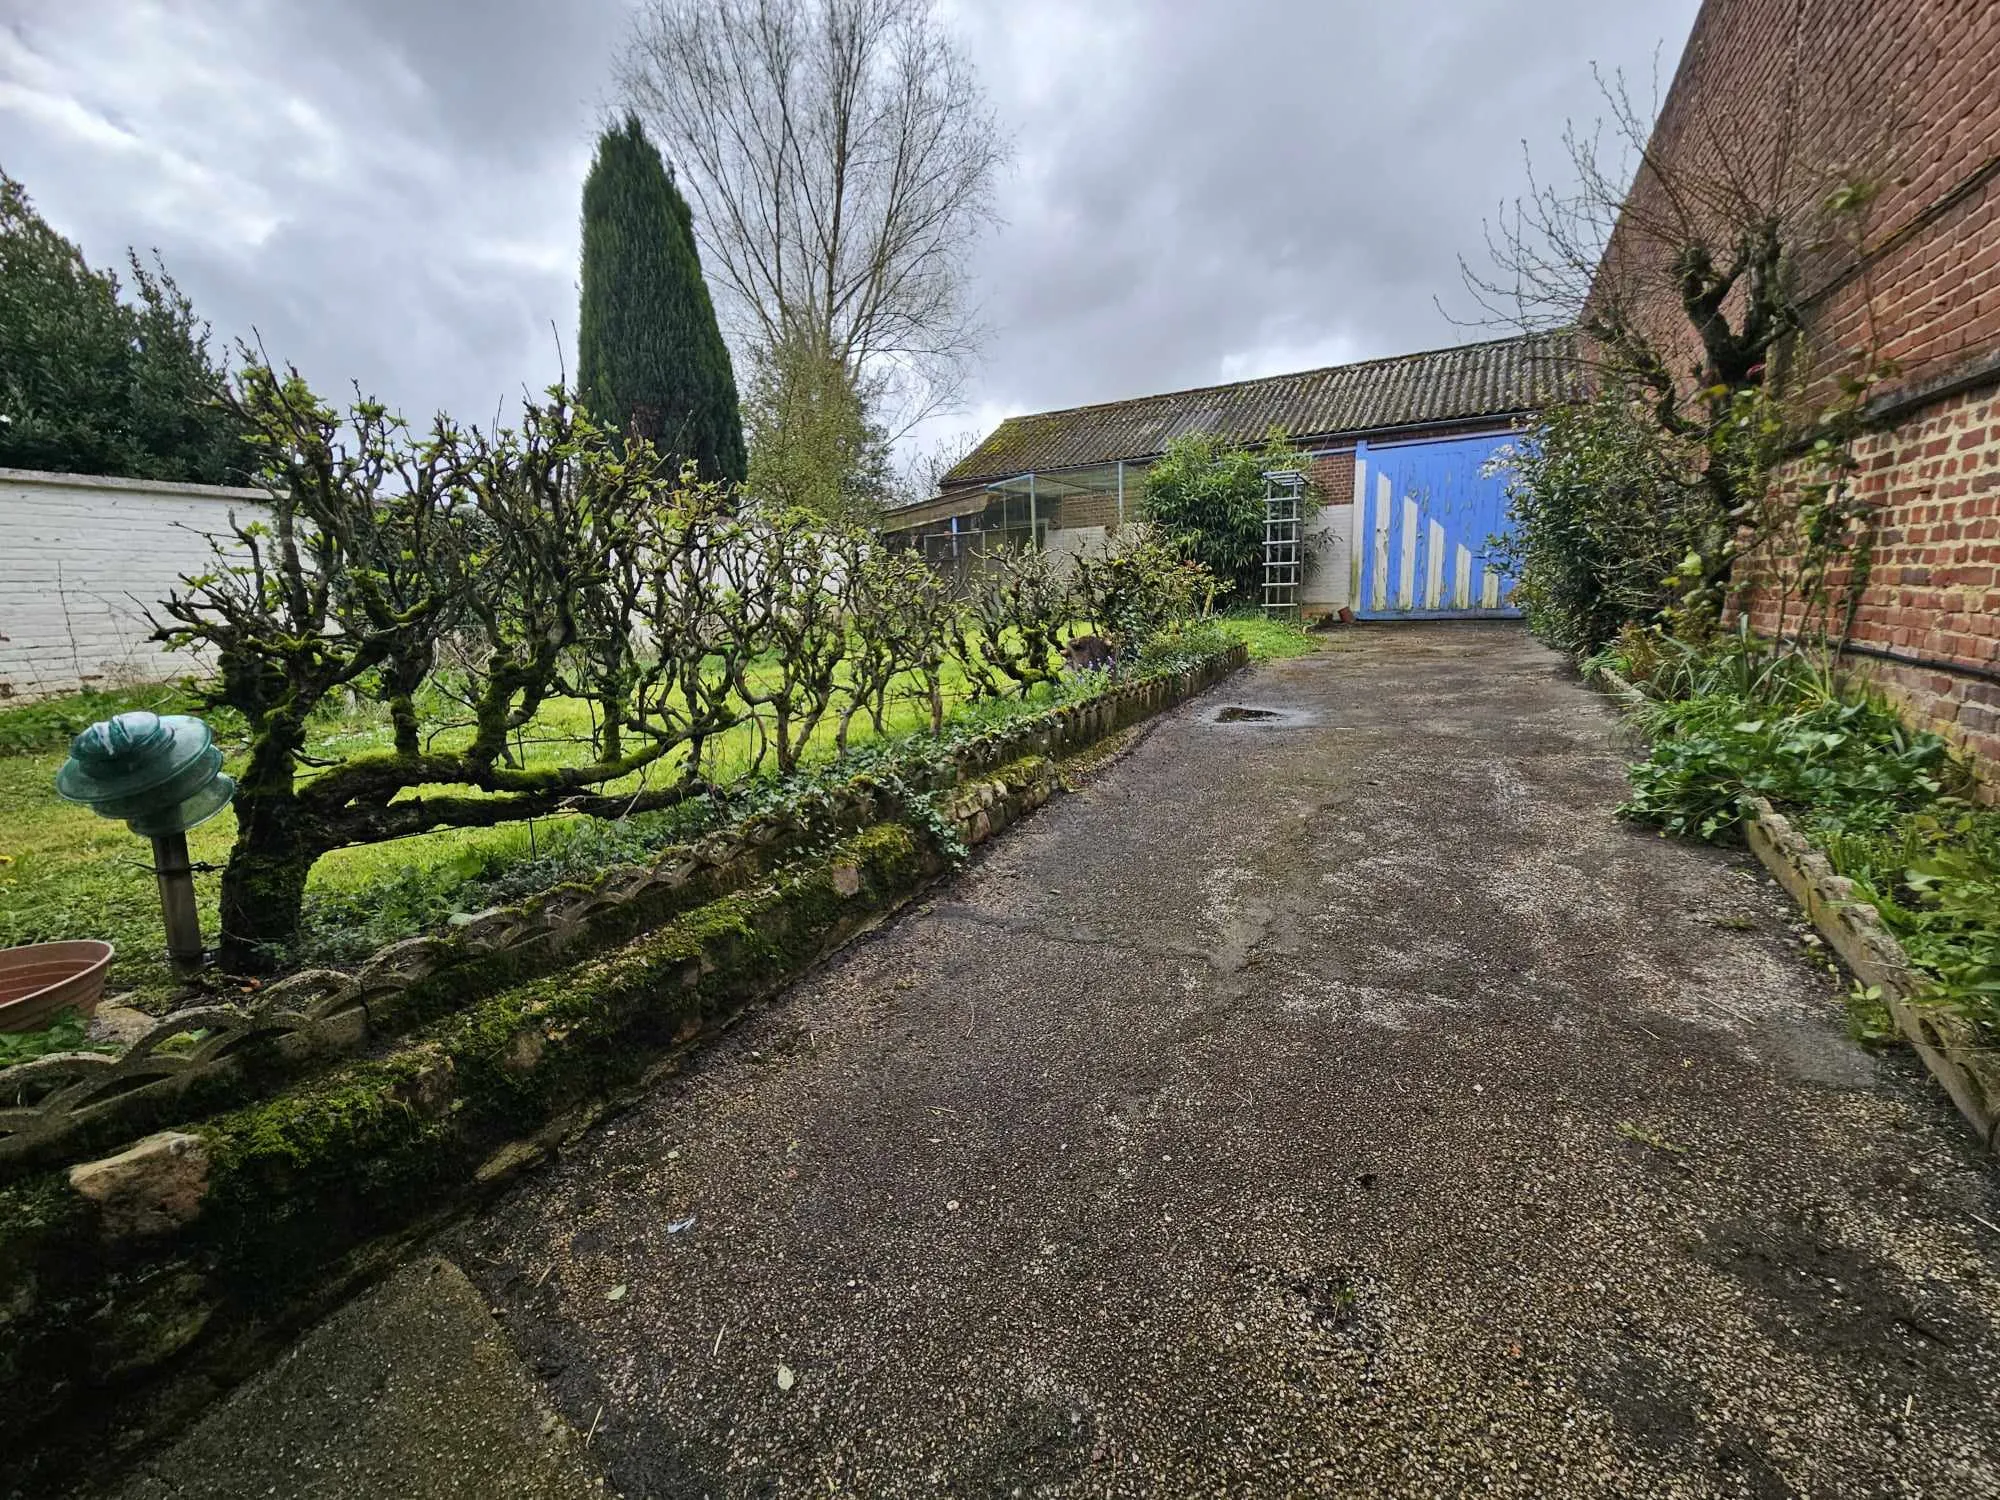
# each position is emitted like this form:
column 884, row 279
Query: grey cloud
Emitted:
column 1263, row 179
column 386, row 189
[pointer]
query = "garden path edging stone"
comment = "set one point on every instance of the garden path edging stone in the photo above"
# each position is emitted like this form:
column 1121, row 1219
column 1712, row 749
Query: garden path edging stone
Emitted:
column 1854, row 929
column 307, row 1193
column 1945, row 1041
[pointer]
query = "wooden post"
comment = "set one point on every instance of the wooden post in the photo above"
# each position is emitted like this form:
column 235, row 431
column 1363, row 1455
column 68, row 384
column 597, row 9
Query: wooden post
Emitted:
column 175, row 873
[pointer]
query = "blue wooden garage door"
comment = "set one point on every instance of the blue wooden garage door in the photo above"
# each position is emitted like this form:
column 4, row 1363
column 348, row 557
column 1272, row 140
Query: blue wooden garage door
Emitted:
column 1425, row 520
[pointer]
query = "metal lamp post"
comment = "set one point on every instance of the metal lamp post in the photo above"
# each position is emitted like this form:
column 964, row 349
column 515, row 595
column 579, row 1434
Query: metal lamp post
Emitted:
column 162, row 775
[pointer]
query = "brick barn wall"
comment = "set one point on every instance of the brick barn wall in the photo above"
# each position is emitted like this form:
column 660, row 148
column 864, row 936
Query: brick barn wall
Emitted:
column 1092, row 510
column 1329, row 556
column 80, row 559
column 1333, row 473
column 1933, row 592
column 1898, row 94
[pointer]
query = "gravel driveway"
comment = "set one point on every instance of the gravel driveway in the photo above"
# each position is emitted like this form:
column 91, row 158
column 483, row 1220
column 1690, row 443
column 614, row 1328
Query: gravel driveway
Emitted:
column 1336, row 1103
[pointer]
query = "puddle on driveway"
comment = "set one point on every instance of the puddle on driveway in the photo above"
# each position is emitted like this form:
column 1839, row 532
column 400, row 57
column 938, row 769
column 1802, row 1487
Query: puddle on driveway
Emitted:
column 1257, row 716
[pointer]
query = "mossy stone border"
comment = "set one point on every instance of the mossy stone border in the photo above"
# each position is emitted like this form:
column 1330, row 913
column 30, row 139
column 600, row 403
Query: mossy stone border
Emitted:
column 205, row 1058
column 309, row 1191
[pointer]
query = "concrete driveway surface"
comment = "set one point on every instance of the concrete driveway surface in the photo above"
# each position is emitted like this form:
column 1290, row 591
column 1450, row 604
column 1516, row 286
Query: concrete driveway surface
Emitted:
column 1339, row 1103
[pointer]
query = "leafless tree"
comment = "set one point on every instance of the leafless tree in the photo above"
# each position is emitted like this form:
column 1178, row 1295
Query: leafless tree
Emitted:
column 840, row 159
column 1675, row 267
column 1686, row 263
column 923, row 471
column 1685, row 255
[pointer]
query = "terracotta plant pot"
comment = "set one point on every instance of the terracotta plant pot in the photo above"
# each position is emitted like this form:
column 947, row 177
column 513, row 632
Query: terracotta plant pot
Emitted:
column 43, row 979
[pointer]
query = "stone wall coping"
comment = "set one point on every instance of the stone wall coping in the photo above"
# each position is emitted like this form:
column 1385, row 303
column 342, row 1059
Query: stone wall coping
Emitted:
column 136, row 486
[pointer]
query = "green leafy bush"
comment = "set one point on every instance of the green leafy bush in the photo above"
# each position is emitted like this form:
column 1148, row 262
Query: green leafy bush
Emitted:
column 1887, row 804
column 1734, row 719
column 1604, row 511
column 1134, row 589
column 1205, row 498
column 1712, row 754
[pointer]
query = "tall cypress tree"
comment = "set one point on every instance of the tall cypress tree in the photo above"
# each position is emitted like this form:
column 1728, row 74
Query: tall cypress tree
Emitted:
column 650, row 357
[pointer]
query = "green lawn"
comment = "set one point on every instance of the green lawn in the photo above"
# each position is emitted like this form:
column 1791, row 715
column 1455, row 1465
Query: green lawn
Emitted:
column 66, row 873
column 1268, row 639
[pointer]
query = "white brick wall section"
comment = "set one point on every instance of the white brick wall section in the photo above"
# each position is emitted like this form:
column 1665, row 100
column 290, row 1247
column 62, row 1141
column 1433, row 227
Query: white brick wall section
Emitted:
column 82, row 558
column 1324, row 590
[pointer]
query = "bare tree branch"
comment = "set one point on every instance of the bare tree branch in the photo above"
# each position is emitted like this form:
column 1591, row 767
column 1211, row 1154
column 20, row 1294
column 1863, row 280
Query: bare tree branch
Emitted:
column 840, row 158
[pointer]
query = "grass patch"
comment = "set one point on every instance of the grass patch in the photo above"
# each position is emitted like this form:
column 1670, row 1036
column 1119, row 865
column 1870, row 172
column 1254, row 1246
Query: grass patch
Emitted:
column 1269, row 639
column 46, row 726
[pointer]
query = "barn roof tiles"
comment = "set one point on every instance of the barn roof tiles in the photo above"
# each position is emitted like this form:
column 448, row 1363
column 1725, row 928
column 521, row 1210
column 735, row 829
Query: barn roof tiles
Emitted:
column 1502, row 378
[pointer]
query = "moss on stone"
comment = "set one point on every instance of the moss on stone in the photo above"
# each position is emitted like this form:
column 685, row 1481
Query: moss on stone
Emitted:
column 296, row 1177
column 370, row 1147
column 35, row 1213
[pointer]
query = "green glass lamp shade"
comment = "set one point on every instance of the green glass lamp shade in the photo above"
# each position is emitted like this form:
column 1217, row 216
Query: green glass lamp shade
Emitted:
column 161, row 774
column 179, row 817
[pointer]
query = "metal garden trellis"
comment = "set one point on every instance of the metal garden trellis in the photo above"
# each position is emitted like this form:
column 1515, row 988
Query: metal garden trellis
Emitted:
column 1284, row 542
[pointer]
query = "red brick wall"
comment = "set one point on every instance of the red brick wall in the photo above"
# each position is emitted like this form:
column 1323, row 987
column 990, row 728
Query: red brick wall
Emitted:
column 1333, row 474
column 1898, row 94
column 1901, row 95
column 1933, row 590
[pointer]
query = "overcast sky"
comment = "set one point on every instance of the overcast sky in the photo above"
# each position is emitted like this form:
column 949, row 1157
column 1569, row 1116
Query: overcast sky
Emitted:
column 1203, row 190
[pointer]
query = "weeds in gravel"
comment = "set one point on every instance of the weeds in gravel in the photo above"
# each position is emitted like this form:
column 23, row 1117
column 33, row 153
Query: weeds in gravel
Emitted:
column 1888, row 805
column 1649, row 1138
column 1868, row 1018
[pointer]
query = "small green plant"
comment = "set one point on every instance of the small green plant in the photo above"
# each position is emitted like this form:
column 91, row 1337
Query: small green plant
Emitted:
column 1868, row 1018
column 70, row 1032
column 1642, row 1135
column 1935, row 878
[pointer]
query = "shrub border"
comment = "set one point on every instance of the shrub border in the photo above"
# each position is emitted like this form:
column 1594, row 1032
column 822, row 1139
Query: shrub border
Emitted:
column 1853, row 928
column 210, row 1055
column 235, row 1231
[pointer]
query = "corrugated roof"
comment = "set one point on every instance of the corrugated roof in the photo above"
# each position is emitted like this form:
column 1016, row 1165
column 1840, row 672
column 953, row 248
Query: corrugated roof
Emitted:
column 1496, row 379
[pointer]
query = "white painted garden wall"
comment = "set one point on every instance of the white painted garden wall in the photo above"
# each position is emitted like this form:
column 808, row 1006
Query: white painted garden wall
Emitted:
column 1328, row 535
column 81, row 557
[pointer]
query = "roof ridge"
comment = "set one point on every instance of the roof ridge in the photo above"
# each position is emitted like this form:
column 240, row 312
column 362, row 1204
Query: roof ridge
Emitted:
column 1487, row 378
column 1230, row 385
